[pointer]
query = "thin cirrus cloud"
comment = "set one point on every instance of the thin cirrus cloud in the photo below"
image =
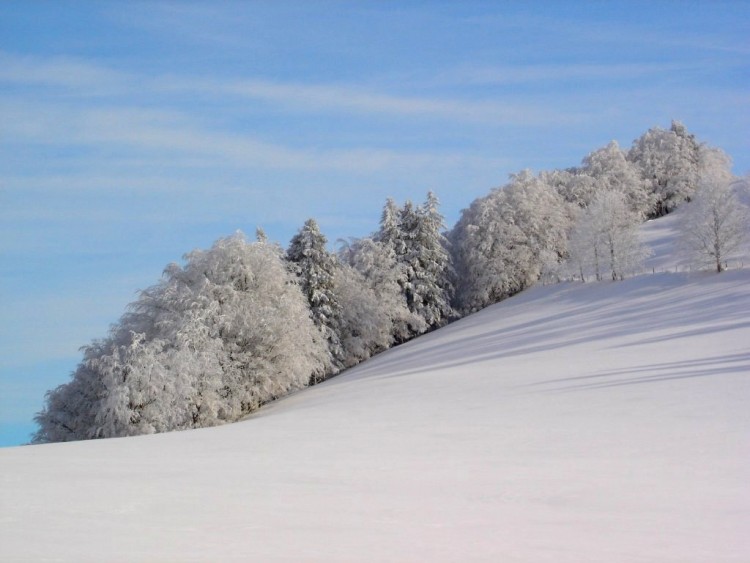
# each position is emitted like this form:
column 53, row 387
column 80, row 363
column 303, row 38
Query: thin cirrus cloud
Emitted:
column 516, row 75
column 176, row 135
column 63, row 72
column 87, row 79
column 349, row 99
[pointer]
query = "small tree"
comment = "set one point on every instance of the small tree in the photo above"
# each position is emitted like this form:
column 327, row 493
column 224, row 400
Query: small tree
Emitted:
column 606, row 238
column 715, row 225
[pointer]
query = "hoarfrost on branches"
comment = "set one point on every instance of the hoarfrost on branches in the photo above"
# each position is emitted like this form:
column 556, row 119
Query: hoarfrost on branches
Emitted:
column 715, row 224
column 505, row 241
column 214, row 340
column 605, row 239
column 315, row 269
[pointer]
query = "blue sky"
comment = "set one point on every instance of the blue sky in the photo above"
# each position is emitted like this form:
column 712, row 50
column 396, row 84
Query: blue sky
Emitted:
column 133, row 132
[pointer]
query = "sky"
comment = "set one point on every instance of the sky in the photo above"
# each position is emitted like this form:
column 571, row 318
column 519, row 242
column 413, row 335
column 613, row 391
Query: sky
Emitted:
column 134, row 132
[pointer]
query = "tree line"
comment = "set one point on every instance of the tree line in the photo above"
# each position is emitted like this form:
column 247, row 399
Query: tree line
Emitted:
column 245, row 322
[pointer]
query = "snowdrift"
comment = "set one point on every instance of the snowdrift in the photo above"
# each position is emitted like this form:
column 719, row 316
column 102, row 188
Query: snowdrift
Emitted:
column 574, row 422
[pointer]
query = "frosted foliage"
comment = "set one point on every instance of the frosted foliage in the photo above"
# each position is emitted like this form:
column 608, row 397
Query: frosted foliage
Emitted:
column 429, row 289
column 670, row 163
column 610, row 171
column 366, row 326
column 505, row 241
column 384, row 275
column 315, row 268
column 390, row 233
column 715, row 224
column 214, row 340
column 70, row 409
column 573, row 185
column 604, row 242
column 414, row 237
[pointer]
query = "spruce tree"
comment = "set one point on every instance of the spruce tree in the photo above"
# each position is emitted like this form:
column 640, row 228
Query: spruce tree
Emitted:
column 315, row 269
column 431, row 287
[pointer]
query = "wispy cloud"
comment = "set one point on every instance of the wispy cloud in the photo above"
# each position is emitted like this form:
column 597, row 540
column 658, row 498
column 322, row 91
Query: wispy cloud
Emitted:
column 525, row 74
column 90, row 79
column 174, row 134
column 349, row 99
column 70, row 73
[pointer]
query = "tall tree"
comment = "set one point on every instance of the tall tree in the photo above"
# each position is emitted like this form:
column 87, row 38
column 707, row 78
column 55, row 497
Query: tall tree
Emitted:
column 391, row 234
column 413, row 236
column 315, row 268
column 416, row 239
column 431, row 265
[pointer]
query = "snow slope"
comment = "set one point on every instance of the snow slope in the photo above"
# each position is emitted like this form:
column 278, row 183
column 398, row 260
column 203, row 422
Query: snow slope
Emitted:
column 575, row 422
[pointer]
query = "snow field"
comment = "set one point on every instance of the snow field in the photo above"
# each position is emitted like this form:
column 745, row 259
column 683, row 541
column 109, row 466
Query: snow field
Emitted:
column 575, row 422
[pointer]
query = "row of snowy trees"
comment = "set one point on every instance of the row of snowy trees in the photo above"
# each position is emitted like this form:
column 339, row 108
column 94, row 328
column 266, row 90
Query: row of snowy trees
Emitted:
column 245, row 322
column 582, row 222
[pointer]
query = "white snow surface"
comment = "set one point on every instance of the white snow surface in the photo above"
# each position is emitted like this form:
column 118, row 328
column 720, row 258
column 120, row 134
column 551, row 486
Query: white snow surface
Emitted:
column 571, row 423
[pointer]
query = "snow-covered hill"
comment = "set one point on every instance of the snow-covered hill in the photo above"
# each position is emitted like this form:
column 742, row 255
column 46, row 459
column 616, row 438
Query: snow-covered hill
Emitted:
column 574, row 422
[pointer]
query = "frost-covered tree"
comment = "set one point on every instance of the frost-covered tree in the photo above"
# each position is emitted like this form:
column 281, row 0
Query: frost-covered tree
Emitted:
column 605, row 239
column 384, row 275
column 391, row 234
column 70, row 409
column 573, row 184
column 429, row 272
column 611, row 171
column 215, row 339
column 669, row 162
column 369, row 315
column 413, row 236
column 315, row 268
column 715, row 224
column 505, row 241
column 585, row 249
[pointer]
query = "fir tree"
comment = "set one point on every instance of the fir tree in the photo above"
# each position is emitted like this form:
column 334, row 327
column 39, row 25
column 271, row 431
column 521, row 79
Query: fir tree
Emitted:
column 315, row 269
column 429, row 263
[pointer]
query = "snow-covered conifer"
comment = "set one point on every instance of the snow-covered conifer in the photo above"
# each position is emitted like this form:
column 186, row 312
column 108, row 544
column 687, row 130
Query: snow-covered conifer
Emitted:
column 429, row 270
column 315, row 268
column 391, row 234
